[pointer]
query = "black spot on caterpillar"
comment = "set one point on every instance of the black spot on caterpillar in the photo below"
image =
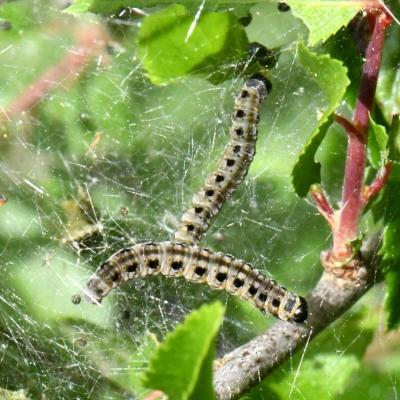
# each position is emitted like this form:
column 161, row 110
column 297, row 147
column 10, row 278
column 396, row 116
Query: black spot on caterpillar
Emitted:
column 232, row 166
column 75, row 237
column 199, row 265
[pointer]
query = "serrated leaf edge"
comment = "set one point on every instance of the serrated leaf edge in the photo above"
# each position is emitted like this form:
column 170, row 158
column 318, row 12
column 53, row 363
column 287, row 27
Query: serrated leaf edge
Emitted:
column 327, row 115
column 182, row 328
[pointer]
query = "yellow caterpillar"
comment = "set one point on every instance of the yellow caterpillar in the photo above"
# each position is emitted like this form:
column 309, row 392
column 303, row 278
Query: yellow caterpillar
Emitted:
column 199, row 265
column 232, row 166
column 183, row 258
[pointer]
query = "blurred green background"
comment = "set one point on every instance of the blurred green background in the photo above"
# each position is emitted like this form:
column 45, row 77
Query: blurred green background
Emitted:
column 107, row 150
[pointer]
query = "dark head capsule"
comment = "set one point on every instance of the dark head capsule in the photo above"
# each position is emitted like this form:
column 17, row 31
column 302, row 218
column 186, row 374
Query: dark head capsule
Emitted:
column 301, row 313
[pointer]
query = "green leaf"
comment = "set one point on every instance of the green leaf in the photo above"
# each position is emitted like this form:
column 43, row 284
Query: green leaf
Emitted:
column 22, row 18
column 116, row 351
column 139, row 362
column 47, row 282
column 377, row 144
column 173, row 44
column 80, row 6
column 322, row 370
column 394, row 139
column 330, row 75
column 374, row 379
column 392, row 303
column 267, row 14
column 109, row 7
column 19, row 220
column 389, row 208
column 307, row 171
column 390, row 247
column 323, row 17
column 388, row 90
column 26, row 37
column 322, row 376
column 181, row 367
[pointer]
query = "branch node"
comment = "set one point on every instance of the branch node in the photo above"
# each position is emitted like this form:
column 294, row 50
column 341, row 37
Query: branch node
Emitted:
column 379, row 12
column 323, row 205
column 349, row 126
column 378, row 183
column 347, row 263
column 342, row 266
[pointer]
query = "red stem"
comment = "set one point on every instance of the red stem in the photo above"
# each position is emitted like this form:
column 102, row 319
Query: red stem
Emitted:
column 349, row 127
column 352, row 196
column 323, row 205
column 378, row 183
column 91, row 42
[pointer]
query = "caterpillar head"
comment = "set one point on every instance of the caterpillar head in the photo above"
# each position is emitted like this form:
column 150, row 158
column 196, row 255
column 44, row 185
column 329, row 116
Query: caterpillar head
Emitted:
column 96, row 289
column 261, row 84
column 292, row 308
column 300, row 312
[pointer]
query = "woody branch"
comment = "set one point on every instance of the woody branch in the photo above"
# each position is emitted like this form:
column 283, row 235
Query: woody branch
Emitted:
column 245, row 367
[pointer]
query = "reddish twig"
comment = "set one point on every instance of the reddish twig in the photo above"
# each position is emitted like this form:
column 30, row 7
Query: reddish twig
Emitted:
column 349, row 127
column 323, row 205
column 378, row 183
column 91, row 42
column 345, row 226
column 352, row 197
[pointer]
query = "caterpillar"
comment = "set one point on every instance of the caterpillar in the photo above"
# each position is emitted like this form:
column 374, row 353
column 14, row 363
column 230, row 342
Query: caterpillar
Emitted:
column 77, row 236
column 81, row 215
column 232, row 166
column 199, row 265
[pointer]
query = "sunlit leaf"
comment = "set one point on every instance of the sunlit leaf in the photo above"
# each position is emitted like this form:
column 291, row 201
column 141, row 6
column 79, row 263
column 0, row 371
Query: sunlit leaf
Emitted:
column 388, row 90
column 331, row 77
column 267, row 14
column 181, row 367
column 81, row 6
column 324, row 17
column 17, row 220
column 108, row 7
column 377, row 144
column 172, row 43
column 48, row 283
column 388, row 208
column 317, row 372
column 157, row 145
column 394, row 139
column 392, row 303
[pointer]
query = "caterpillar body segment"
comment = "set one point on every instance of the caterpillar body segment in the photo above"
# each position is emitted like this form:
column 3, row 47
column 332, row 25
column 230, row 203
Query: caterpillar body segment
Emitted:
column 199, row 265
column 233, row 165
